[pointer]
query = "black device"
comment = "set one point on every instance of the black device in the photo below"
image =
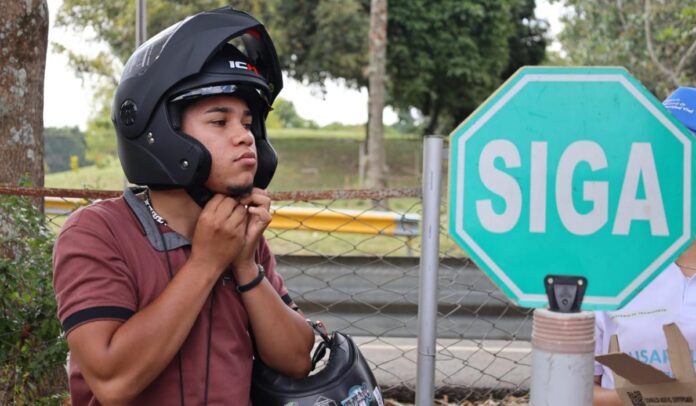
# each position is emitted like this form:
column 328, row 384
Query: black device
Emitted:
column 345, row 379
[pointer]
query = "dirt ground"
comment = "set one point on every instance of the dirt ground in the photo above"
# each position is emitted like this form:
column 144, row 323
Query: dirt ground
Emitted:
column 444, row 401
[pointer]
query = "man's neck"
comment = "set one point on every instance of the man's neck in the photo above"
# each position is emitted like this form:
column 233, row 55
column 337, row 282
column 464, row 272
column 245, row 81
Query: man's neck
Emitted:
column 178, row 209
column 687, row 261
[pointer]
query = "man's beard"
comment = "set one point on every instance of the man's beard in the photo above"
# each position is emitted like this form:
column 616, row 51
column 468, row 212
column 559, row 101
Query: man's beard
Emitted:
column 239, row 191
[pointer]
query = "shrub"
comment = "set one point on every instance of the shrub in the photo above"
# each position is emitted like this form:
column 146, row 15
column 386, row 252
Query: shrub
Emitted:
column 32, row 349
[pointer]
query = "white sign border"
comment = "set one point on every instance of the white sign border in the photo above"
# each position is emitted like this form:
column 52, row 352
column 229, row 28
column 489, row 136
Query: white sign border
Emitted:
column 686, row 224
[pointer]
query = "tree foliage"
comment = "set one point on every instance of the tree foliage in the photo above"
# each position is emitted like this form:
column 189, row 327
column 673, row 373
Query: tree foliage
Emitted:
column 321, row 39
column 284, row 111
column 444, row 57
column 100, row 136
column 654, row 40
column 32, row 351
column 62, row 143
column 113, row 26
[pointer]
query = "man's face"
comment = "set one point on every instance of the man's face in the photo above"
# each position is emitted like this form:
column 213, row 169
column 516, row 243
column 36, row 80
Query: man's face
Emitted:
column 223, row 125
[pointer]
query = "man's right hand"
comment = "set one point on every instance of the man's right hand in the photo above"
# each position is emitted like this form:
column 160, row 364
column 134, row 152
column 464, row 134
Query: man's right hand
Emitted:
column 220, row 233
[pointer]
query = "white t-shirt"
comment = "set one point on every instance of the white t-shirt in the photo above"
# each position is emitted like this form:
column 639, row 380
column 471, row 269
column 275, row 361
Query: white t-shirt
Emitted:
column 669, row 298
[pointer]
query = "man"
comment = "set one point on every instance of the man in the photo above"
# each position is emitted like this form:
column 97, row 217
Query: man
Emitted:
column 166, row 293
column 669, row 298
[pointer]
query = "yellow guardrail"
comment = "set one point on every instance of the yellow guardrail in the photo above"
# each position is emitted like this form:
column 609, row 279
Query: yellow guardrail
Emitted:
column 302, row 218
column 63, row 205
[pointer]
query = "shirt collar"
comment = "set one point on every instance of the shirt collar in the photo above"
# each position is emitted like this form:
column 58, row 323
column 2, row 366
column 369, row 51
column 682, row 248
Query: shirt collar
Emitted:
column 172, row 239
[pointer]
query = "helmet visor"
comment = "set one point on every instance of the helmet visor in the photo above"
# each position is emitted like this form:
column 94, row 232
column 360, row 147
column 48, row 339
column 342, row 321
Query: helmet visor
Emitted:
column 253, row 96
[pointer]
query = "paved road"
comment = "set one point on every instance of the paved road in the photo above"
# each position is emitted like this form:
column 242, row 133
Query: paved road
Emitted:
column 379, row 296
column 493, row 364
column 483, row 340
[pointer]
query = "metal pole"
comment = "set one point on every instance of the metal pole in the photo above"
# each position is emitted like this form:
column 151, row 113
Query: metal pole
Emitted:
column 562, row 358
column 140, row 37
column 429, row 261
column 140, row 22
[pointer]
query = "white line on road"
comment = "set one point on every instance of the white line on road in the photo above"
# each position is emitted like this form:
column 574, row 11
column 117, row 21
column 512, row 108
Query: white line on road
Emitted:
column 452, row 348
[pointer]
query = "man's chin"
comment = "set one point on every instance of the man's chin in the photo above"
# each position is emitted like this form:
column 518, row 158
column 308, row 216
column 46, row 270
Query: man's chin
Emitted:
column 239, row 191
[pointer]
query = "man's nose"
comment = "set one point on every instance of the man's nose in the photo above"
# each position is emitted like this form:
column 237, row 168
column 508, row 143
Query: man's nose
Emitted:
column 241, row 135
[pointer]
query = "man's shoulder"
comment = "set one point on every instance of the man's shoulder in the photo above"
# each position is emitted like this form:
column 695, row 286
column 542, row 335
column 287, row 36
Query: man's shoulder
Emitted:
column 100, row 215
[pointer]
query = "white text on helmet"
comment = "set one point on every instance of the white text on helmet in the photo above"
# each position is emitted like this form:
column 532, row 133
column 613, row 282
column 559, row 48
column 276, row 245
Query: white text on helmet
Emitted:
column 242, row 65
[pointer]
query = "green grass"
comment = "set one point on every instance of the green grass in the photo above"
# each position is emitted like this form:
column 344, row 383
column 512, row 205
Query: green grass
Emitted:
column 89, row 177
column 311, row 160
column 354, row 133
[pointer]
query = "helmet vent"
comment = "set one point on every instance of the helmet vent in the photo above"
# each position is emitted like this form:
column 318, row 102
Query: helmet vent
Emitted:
column 129, row 111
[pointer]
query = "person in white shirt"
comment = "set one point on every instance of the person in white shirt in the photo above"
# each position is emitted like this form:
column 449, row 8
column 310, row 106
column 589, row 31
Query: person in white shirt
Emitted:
column 669, row 298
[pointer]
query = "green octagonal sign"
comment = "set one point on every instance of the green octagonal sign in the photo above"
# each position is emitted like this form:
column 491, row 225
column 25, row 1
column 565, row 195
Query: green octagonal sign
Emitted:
column 571, row 171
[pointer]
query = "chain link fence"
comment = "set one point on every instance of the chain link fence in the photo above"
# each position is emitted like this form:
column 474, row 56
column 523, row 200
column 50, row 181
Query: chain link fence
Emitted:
column 351, row 259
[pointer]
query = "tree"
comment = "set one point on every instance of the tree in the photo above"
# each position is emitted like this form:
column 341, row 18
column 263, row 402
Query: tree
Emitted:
column 321, row 39
column 113, row 24
column 446, row 57
column 284, row 111
column 23, row 38
column 62, row 143
column 32, row 357
column 376, row 154
column 100, row 136
column 654, row 40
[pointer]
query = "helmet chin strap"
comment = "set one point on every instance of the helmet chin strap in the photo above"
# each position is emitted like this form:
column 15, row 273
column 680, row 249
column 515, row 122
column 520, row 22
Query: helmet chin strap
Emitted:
column 200, row 194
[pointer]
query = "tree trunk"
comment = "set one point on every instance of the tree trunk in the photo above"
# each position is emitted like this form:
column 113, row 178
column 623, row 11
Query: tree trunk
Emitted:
column 376, row 177
column 23, row 39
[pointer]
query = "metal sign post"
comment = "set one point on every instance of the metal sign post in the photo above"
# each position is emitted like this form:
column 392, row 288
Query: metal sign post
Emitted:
column 429, row 262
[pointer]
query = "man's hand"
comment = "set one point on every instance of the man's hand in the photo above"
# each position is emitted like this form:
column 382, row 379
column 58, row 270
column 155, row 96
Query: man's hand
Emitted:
column 258, row 209
column 220, row 233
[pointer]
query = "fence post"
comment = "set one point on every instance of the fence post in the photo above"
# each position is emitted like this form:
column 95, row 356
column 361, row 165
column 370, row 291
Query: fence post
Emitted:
column 429, row 262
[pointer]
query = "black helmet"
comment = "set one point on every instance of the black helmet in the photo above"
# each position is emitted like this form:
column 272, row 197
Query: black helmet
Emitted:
column 224, row 51
column 345, row 380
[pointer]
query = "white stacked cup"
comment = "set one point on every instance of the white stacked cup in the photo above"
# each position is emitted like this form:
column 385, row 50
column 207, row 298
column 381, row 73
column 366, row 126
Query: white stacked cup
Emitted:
column 562, row 358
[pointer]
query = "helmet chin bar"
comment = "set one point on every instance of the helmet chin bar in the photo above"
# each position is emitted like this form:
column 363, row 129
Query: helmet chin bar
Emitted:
column 200, row 194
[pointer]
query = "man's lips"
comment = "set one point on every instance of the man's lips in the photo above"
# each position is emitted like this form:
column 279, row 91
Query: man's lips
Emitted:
column 247, row 156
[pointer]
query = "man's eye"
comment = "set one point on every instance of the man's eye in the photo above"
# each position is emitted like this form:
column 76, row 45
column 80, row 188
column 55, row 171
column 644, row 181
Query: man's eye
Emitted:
column 247, row 126
column 219, row 123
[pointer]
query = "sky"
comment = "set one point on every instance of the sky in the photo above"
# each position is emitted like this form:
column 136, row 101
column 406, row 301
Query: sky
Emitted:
column 68, row 101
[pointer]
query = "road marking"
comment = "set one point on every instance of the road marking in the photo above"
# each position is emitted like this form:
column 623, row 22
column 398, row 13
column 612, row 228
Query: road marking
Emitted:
column 451, row 348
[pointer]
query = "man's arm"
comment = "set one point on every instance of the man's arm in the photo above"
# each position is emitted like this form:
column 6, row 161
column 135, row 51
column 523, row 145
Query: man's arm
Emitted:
column 120, row 359
column 602, row 396
column 283, row 337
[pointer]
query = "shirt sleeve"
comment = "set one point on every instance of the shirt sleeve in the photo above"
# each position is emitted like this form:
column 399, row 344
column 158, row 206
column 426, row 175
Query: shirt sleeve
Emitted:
column 267, row 260
column 90, row 279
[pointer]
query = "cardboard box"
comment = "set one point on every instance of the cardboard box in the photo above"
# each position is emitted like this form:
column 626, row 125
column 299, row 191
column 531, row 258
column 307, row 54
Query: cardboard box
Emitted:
column 639, row 384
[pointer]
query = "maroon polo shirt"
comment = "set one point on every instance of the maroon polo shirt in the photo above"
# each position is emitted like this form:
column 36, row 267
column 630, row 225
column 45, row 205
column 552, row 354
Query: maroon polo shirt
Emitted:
column 109, row 262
